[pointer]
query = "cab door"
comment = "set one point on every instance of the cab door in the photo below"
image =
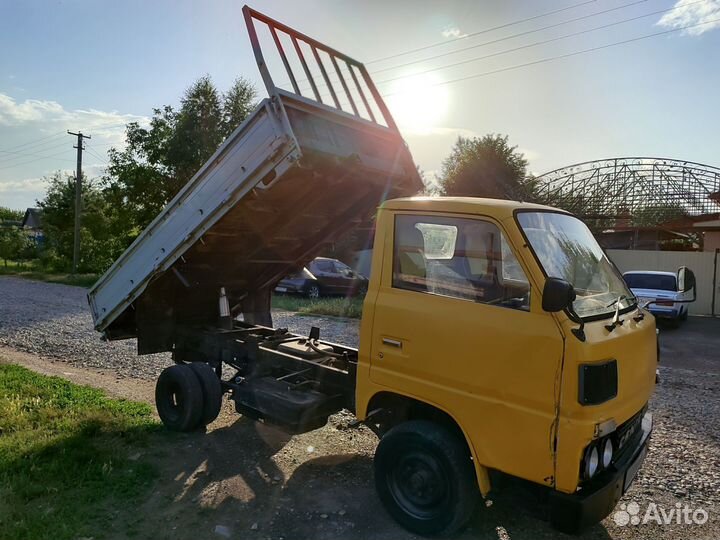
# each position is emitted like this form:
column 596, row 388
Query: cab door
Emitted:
column 456, row 325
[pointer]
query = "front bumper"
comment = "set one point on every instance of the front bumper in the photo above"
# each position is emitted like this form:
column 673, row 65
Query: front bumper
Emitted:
column 571, row 513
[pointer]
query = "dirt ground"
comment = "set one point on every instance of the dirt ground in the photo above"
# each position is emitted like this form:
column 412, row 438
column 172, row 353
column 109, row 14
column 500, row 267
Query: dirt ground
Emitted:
column 244, row 480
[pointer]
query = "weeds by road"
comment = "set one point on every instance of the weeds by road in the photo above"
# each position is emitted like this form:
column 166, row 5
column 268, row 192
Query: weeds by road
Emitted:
column 335, row 307
column 66, row 456
column 30, row 270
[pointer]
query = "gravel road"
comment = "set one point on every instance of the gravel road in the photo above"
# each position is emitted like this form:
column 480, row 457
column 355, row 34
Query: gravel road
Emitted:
column 682, row 468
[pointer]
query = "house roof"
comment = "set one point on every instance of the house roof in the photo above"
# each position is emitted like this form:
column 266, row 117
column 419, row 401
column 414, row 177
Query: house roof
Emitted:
column 32, row 219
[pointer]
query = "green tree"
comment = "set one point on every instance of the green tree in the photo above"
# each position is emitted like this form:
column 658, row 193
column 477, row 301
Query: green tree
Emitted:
column 160, row 159
column 238, row 103
column 100, row 243
column 654, row 215
column 8, row 214
column 486, row 167
column 12, row 243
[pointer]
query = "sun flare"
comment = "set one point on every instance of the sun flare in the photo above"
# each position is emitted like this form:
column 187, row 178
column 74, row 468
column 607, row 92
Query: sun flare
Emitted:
column 418, row 102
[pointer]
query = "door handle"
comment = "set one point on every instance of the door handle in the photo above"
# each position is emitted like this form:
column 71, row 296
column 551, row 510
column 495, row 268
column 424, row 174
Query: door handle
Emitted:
column 392, row 342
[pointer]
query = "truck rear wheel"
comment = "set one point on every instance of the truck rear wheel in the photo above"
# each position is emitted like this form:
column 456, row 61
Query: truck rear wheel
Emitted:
column 179, row 398
column 211, row 390
column 425, row 478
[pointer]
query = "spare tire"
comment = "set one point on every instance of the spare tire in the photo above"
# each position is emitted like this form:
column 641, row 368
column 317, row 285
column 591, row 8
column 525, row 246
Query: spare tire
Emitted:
column 179, row 398
column 211, row 389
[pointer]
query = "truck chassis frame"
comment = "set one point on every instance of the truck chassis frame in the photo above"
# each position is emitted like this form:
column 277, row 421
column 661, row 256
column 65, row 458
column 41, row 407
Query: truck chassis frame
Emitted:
column 272, row 375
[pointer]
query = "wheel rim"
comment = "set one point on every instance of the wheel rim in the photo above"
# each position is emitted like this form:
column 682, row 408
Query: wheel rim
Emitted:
column 314, row 292
column 419, row 486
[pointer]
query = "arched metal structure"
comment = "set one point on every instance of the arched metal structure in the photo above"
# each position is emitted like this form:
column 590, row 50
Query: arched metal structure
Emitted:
column 633, row 191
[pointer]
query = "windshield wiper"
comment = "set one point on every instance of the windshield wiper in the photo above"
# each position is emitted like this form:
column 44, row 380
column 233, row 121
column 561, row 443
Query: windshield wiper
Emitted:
column 639, row 316
column 616, row 321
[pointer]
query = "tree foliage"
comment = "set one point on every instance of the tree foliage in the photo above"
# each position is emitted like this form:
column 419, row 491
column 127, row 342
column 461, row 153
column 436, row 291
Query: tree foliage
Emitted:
column 142, row 177
column 161, row 158
column 8, row 214
column 100, row 236
column 486, row 167
column 13, row 244
column 657, row 214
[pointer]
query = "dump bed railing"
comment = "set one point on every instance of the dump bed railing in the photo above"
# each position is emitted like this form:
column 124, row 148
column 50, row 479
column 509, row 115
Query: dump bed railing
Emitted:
column 353, row 83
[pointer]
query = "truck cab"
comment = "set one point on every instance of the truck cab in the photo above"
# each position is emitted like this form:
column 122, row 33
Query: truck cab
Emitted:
column 500, row 330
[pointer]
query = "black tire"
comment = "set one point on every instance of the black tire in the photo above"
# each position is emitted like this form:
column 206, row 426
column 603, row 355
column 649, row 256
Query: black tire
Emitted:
column 684, row 315
column 313, row 291
column 211, row 389
column 425, row 478
column 179, row 398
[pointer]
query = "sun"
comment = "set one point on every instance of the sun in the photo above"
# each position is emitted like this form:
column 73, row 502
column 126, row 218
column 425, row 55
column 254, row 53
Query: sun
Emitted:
column 418, row 102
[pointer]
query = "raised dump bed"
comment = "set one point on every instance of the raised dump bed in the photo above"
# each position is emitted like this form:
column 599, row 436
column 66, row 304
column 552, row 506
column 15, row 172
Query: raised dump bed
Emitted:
column 297, row 174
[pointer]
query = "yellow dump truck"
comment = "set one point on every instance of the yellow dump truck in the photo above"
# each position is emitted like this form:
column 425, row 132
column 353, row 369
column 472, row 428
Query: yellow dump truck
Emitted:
column 495, row 336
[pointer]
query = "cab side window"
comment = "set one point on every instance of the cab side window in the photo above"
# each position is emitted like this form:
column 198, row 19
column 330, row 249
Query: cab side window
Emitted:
column 461, row 258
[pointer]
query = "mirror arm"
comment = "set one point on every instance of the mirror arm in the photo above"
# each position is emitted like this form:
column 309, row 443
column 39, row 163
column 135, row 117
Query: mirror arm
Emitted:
column 580, row 331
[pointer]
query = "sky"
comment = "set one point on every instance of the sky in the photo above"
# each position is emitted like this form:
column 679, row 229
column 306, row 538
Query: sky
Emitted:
column 448, row 69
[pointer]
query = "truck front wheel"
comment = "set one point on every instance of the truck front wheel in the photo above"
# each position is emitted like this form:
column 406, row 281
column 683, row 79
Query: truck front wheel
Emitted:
column 425, row 478
column 179, row 398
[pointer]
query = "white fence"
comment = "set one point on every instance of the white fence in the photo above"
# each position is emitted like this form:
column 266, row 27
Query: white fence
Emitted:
column 702, row 263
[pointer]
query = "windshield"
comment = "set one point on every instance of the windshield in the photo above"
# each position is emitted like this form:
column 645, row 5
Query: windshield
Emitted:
column 658, row 282
column 567, row 249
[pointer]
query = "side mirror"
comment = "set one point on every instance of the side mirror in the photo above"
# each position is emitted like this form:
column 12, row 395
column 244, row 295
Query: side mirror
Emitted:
column 685, row 279
column 557, row 295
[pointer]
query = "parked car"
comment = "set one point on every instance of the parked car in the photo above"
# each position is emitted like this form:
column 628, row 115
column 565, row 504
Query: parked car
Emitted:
column 324, row 277
column 667, row 295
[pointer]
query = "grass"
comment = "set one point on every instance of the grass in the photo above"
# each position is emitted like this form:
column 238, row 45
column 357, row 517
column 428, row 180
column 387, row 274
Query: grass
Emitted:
column 336, row 307
column 65, row 456
column 30, row 270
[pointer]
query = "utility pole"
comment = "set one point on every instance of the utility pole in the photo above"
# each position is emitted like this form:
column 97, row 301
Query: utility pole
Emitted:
column 78, row 196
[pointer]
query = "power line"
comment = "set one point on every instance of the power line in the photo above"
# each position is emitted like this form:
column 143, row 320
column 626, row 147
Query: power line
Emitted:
column 479, row 32
column 568, row 55
column 52, row 156
column 20, row 155
column 536, row 43
column 119, row 141
column 519, row 34
column 501, row 39
column 35, row 142
column 95, row 155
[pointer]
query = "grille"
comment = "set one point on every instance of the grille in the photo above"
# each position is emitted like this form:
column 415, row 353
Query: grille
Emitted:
column 627, row 435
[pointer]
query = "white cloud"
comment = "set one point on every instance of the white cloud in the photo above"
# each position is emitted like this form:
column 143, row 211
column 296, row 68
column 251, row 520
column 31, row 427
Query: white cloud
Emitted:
column 50, row 114
column 34, row 185
column 453, row 32
column 693, row 12
column 530, row 155
column 33, row 144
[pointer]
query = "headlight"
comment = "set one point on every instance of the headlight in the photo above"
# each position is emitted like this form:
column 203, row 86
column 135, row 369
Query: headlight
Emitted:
column 592, row 460
column 607, row 453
